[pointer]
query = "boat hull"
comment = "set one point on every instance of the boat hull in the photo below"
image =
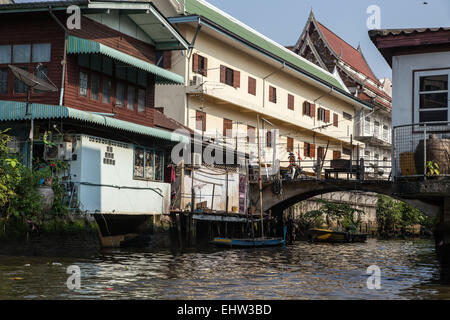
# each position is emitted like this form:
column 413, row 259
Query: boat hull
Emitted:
column 247, row 243
column 323, row 235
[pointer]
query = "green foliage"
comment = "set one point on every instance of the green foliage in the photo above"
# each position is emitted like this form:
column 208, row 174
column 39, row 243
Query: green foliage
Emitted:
column 395, row 216
column 432, row 169
column 10, row 171
column 344, row 215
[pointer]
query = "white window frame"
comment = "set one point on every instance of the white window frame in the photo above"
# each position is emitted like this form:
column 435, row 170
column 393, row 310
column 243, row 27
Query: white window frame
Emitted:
column 417, row 76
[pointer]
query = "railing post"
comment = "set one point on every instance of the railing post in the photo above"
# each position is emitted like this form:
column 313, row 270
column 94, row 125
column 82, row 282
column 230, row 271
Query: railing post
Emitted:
column 425, row 152
column 394, row 155
column 362, row 170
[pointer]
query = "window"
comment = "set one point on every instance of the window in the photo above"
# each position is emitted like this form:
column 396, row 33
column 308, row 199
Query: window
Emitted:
column 230, row 77
column 367, row 126
column 83, row 83
column 386, row 132
column 347, row 116
column 431, row 96
column 321, row 153
column 41, row 52
column 227, row 128
column 95, row 87
column 321, row 114
column 148, row 164
column 269, row 139
column 3, row 80
column 336, row 155
column 200, row 120
column 291, row 102
column 251, row 134
column 200, row 64
column 376, row 132
column 309, row 150
column 290, row 144
column 120, row 94
column 309, row 109
column 252, row 86
column 21, row 53
column 272, row 94
column 141, row 100
column 336, row 120
column 106, row 90
column 130, row 97
column 5, row 54
column 19, row 86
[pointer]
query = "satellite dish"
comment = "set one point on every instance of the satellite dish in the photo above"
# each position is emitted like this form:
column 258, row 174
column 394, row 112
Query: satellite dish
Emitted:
column 32, row 81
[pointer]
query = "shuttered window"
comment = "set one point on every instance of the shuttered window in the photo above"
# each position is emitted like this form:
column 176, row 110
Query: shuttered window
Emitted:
column 335, row 120
column 290, row 144
column 336, row 155
column 309, row 150
column 199, row 64
column 230, row 77
column 272, row 94
column 321, row 153
column 200, row 121
column 227, row 128
column 291, row 101
column 309, row 109
column 269, row 139
column 252, row 86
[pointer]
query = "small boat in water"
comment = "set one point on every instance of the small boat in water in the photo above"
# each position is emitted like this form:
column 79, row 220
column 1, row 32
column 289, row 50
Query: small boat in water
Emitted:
column 248, row 243
column 325, row 235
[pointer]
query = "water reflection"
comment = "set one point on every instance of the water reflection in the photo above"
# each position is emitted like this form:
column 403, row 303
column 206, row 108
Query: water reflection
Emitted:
column 409, row 270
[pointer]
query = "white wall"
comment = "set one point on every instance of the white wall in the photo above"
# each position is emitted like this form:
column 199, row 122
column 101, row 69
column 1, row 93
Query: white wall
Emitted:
column 89, row 168
column 402, row 80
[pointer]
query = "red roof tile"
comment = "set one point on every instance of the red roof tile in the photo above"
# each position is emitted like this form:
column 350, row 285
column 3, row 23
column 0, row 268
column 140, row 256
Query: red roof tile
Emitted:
column 348, row 54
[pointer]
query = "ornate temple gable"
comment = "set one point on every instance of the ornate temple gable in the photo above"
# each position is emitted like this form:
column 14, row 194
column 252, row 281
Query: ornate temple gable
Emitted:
column 313, row 45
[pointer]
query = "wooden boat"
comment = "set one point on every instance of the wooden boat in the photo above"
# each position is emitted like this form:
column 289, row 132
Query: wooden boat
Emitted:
column 325, row 235
column 248, row 243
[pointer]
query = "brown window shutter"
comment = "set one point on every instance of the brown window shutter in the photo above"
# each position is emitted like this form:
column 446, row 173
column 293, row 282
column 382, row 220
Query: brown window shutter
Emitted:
column 291, row 101
column 205, row 70
column 200, row 121
column 318, row 113
column 222, row 74
column 270, row 94
column 290, row 145
column 269, row 139
column 336, row 155
column 336, row 120
column 312, row 152
column 313, row 110
column 195, row 63
column 237, row 79
column 305, row 149
column 167, row 60
column 227, row 128
column 327, row 116
column 304, row 108
column 251, row 137
column 252, row 86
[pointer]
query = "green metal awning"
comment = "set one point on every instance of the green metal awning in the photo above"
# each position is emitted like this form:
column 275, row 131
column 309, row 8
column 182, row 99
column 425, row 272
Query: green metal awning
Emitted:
column 79, row 46
column 16, row 111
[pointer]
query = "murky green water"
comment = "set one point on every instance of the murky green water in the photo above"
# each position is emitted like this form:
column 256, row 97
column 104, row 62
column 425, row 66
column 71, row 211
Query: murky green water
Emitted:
column 409, row 270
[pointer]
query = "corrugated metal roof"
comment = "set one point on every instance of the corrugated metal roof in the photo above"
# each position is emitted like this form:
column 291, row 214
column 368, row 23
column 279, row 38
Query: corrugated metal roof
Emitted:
column 14, row 111
column 407, row 31
column 79, row 45
column 201, row 8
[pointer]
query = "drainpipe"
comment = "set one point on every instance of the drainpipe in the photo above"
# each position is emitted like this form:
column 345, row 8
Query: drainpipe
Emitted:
column 64, row 62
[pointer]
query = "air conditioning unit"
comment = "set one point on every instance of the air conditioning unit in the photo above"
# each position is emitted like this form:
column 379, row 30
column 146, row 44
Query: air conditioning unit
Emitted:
column 196, row 81
column 196, row 160
column 60, row 151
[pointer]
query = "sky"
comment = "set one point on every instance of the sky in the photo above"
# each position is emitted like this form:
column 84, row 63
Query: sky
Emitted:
column 283, row 20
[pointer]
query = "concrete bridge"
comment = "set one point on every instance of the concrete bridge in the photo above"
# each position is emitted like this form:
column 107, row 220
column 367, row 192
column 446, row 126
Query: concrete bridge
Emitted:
column 426, row 195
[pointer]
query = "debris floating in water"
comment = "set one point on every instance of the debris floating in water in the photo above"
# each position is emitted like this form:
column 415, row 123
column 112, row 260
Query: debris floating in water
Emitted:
column 27, row 265
column 16, row 278
column 56, row 264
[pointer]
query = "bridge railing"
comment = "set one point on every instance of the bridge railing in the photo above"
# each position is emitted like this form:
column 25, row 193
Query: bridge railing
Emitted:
column 421, row 150
column 362, row 169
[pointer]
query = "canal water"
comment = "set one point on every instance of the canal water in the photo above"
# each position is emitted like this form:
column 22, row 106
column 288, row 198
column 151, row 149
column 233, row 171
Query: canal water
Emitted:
column 409, row 270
